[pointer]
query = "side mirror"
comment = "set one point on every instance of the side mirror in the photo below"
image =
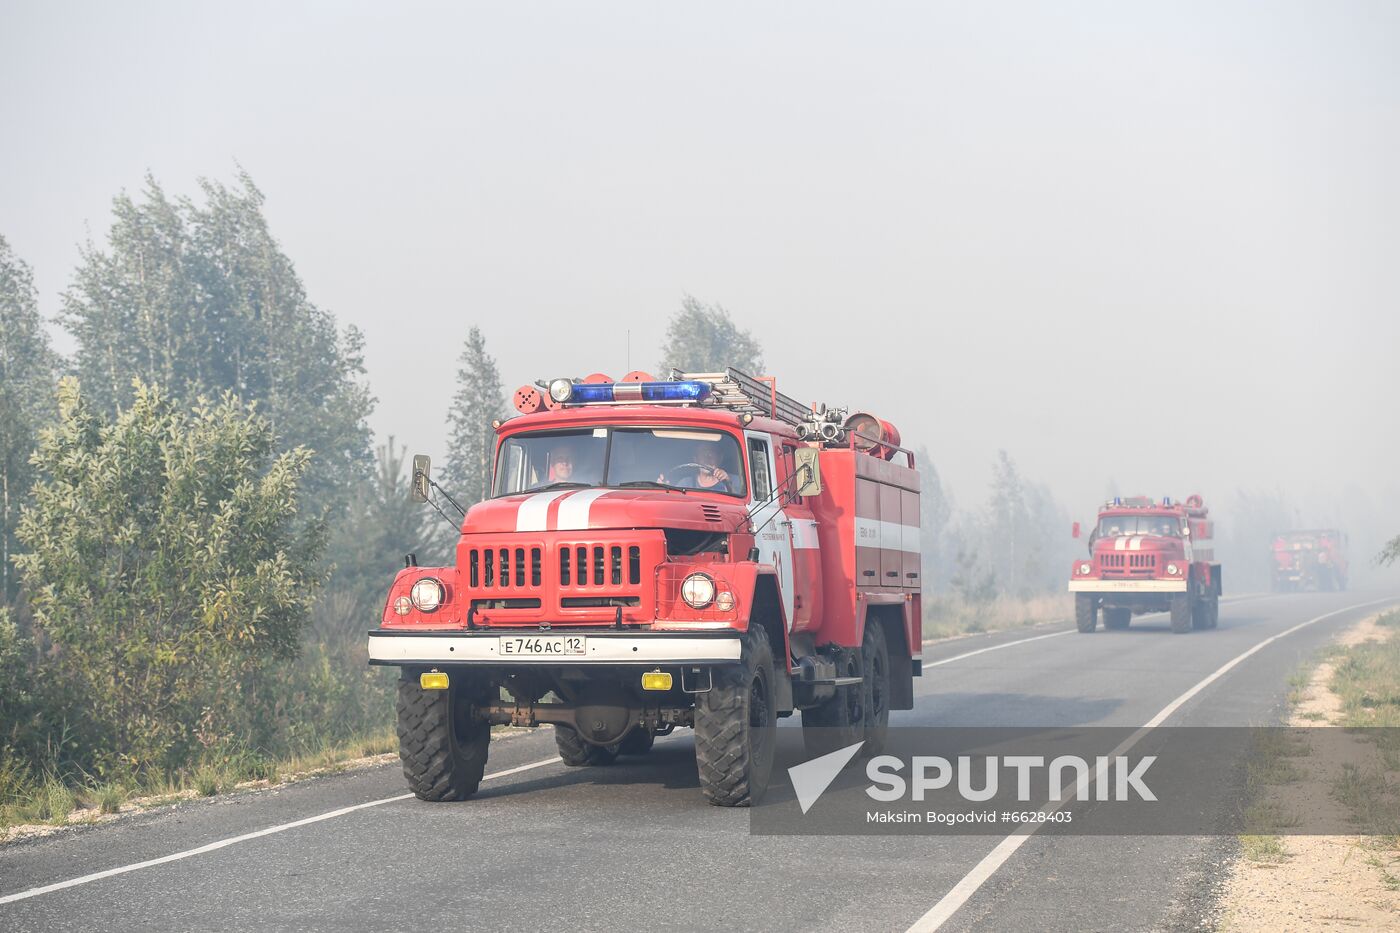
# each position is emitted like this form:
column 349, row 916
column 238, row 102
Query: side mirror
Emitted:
column 809, row 471
column 420, row 488
column 1074, row 530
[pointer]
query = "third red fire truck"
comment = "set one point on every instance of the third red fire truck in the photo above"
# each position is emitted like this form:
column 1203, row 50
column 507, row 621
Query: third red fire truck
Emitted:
column 1312, row 559
column 700, row 552
column 1147, row 556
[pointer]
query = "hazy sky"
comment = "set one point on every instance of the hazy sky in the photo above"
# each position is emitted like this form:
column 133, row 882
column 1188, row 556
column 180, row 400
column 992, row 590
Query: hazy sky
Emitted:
column 1149, row 243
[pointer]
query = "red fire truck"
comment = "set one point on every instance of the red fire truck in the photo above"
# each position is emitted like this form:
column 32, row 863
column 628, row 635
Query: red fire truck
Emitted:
column 700, row 552
column 1312, row 559
column 1147, row 556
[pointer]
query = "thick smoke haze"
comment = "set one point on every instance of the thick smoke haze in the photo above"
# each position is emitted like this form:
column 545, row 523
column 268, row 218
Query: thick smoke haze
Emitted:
column 1143, row 248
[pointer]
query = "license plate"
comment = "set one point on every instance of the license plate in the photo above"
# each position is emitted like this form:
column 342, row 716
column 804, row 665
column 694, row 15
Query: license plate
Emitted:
column 542, row 646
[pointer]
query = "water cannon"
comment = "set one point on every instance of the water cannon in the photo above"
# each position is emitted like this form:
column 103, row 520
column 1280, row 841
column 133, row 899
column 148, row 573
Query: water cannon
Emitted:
column 873, row 435
column 825, row 425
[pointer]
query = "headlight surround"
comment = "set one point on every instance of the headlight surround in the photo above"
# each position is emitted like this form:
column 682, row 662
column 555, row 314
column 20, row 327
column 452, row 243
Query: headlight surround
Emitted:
column 1085, row 568
column 698, row 590
column 1173, row 569
column 427, row 595
column 561, row 390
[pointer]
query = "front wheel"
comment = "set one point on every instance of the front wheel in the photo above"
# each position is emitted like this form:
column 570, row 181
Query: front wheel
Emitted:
column 442, row 747
column 1086, row 612
column 580, row 754
column 1181, row 613
column 638, row 742
column 735, row 724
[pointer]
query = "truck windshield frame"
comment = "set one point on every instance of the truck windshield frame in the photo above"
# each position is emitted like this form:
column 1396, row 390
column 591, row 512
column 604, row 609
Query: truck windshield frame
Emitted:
column 1118, row 526
column 620, row 456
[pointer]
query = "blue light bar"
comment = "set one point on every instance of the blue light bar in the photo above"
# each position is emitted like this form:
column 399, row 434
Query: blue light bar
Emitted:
column 585, row 393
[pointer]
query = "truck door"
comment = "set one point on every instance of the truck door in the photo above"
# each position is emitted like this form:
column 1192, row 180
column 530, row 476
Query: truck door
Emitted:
column 806, row 551
column 774, row 536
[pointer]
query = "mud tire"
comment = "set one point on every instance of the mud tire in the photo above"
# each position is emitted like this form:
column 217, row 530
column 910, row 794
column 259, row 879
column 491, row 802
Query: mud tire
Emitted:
column 638, row 742
column 1181, row 613
column 875, row 687
column 579, row 754
column 735, row 726
column 443, row 749
column 1086, row 612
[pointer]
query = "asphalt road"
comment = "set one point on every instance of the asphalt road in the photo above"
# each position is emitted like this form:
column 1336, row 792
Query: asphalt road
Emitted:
column 634, row 846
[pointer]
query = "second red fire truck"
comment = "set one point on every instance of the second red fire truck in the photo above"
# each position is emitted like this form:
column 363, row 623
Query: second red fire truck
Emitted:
column 1147, row 556
column 700, row 552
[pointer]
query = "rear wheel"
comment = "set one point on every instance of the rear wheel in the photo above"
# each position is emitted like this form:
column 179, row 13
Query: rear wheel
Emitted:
column 735, row 724
column 442, row 747
column 1086, row 611
column 1181, row 613
column 875, row 684
column 579, row 754
column 840, row 721
column 1117, row 619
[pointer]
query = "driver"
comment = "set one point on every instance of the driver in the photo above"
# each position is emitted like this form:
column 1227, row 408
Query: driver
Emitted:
column 704, row 472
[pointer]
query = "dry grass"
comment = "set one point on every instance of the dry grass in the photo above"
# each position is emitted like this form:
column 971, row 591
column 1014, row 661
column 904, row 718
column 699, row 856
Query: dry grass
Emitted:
column 949, row 615
column 50, row 800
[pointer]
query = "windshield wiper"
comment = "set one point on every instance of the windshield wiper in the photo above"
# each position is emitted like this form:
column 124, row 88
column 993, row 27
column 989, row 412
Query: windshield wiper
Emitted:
column 651, row 484
column 559, row 485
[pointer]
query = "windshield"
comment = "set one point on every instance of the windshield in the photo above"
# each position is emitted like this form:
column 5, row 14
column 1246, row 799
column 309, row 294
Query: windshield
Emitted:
column 606, row 456
column 1111, row 526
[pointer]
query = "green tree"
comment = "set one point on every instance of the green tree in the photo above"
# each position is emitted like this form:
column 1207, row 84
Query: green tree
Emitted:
column 168, row 567
column 200, row 299
column 382, row 525
column 703, row 339
column 1391, row 553
column 28, row 369
column 479, row 400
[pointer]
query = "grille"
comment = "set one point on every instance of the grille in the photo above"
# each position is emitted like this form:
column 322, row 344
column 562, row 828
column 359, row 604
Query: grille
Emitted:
column 710, row 512
column 1128, row 565
column 582, row 566
column 504, row 568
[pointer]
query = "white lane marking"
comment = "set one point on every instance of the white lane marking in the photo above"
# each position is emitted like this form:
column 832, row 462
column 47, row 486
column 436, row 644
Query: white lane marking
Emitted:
column 1007, row 644
column 573, row 511
column 533, row 513
column 1021, row 641
column 949, row 904
column 234, row 840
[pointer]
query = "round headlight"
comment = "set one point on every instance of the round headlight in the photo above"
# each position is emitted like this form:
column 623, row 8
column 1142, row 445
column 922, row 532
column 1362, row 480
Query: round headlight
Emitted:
column 698, row 590
column 1173, row 569
column 724, row 601
column 426, row 594
column 403, row 606
column 561, row 390
column 1085, row 568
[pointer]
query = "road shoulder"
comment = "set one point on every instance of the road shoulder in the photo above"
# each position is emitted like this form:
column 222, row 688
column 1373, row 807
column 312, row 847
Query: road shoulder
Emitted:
column 1317, row 882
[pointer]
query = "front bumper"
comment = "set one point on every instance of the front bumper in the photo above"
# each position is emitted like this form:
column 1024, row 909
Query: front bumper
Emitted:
column 1127, row 586
column 604, row 648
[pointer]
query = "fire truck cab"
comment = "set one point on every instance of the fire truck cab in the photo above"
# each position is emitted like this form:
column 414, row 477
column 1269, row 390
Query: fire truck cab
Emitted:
column 699, row 552
column 1147, row 556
